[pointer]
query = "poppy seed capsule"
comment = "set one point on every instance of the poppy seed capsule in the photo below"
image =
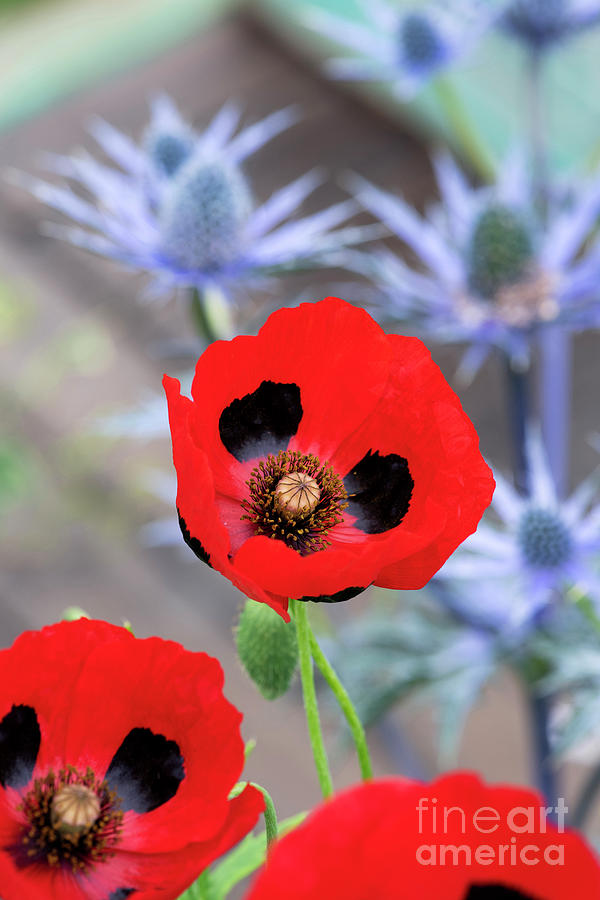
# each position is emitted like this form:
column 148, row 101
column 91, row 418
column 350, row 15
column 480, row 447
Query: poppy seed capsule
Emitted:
column 297, row 493
column 75, row 808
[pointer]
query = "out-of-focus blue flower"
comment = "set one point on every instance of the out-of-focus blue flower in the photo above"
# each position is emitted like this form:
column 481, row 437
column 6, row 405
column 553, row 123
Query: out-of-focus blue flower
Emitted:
column 544, row 545
column 542, row 23
column 404, row 47
column 492, row 272
column 179, row 206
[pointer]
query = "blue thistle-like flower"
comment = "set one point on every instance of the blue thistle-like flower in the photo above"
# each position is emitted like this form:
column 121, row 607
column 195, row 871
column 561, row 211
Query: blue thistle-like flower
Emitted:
column 178, row 205
column 492, row 271
column 542, row 23
column 420, row 44
column 543, row 545
column 544, row 539
column 203, row 219
column 404, row 48
column 168, row 140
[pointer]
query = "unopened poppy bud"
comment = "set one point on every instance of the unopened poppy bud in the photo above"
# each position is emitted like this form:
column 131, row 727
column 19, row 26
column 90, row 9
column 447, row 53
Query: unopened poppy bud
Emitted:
column 296, row 493
column 75, row 808
column 267, row 648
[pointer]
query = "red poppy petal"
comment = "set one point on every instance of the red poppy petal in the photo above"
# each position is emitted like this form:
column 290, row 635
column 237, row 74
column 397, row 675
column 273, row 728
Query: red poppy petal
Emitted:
column 178, row 870
column 350, row 563
column 420, row 418
column 520, row 823
column 385, row 839
column 195, row 488
column 40, row 670
column 196, row 499
column 353, row 847
column 334, row 352
column 157, row 685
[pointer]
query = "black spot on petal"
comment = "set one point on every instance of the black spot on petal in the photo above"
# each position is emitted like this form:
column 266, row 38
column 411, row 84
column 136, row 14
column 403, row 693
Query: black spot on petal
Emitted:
column 379, row 491
column 193, row 543
column 496, row 892
column 261, row 422
column 121, row 894
column 146, row 770
column 20, row 739
column 339, row 596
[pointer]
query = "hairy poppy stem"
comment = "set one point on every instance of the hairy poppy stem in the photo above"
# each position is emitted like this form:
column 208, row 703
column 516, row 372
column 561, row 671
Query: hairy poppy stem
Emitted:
column 270, row 815
column 303, row 632
column 346, row 706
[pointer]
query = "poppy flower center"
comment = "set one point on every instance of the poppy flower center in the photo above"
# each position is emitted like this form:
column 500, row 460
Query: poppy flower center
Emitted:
column 296, row 499
column 297, row 493
column 74, row 809
column 73, row 819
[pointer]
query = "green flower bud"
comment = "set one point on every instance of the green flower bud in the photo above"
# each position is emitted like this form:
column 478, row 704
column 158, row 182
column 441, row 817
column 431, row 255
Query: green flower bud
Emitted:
column 72, row 613
column 267, row 648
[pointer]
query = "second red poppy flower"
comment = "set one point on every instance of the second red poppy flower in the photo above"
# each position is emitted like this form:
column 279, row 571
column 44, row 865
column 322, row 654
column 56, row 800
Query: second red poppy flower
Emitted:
column 322, row 456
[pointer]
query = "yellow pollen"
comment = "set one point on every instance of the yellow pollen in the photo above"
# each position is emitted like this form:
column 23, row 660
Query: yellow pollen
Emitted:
column 75, row 808
column 297, row 493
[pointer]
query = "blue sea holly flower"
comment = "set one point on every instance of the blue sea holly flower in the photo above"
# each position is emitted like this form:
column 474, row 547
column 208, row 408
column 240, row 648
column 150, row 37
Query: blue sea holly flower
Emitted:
column 404, row 47
column 168, row 140
column 541, row 23
column 491, row 271
column 546, row 545
column 178, row 204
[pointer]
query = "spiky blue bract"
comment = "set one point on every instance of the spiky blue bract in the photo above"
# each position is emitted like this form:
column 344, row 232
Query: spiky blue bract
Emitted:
column 403, row 47
column 541, row 547
column 541, row 24
column 178, row 206
column 491, row 271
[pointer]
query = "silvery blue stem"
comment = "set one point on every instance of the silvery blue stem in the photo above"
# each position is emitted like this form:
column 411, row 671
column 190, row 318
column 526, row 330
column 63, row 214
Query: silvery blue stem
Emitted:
column 536, row 130
column 588, row 796
column 555, row 400
column 544, row 770
column 517, row 383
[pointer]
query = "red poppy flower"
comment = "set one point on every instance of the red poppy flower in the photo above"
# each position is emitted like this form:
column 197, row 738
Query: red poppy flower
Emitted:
column 456, row 839
column 322, row 456
column 117, row 756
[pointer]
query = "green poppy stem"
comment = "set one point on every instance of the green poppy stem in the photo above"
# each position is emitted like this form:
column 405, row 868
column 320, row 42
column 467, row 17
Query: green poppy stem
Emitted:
column 270, row 815
column 303, row 633
column 346, row 706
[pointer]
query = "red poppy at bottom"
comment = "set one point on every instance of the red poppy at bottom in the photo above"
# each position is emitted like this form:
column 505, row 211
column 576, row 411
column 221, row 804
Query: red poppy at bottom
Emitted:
column 454, row 839
column 323, row 456
column 117, row 757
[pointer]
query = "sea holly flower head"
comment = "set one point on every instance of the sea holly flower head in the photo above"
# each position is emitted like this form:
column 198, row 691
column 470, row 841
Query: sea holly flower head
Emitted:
column 168, row 140
column 547, row 544
column 322, row 456
column 395, row 838
column 403, row 47
column 541, row 24
column 179, row 206
column 117, row 757
column 491, row 272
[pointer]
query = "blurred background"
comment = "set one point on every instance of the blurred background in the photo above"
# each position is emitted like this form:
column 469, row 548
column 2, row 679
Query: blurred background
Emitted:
column 77, row 346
